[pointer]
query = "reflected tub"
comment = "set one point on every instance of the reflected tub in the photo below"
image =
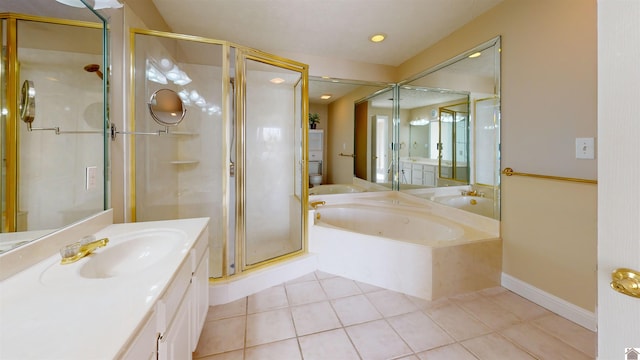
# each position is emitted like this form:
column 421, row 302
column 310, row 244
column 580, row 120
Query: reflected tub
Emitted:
column 336, row 189
column 475, row 204
column 405, row 248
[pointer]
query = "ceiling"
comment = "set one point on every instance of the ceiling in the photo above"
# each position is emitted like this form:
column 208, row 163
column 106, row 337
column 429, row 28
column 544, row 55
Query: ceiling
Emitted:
column 336, row 29
column 330, row 29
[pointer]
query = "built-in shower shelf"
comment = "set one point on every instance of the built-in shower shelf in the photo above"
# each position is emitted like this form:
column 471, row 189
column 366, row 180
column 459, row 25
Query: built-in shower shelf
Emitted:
column 184, row 162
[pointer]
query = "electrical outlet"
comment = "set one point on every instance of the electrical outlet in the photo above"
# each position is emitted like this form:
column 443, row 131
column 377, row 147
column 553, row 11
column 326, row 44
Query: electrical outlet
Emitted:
column 585, row 148
column 91, row 177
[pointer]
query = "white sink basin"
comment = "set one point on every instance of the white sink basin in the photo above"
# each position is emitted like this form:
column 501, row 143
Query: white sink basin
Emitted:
column 132, row 253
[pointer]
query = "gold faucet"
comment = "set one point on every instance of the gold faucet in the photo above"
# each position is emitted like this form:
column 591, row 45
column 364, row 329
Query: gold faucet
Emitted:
column 79, row 249
column 315, row 204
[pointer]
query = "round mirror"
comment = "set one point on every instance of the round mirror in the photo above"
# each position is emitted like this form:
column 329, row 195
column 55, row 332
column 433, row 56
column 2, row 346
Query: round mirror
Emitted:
column 28, row 102
column 166, row 107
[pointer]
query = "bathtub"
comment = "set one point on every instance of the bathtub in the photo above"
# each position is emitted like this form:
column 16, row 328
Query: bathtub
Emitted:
column 402, row 244
column 336, row 189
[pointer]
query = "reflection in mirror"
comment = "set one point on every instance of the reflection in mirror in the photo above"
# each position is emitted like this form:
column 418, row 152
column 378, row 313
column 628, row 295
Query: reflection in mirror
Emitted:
column 468, row 128
column 50, row 181
column 448, row 127
column 166, row 107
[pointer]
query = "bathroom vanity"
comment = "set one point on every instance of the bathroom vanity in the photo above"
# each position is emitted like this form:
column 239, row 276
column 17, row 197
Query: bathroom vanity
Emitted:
column 143, row 296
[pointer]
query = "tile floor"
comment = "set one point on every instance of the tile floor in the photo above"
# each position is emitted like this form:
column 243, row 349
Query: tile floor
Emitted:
column 322, row 316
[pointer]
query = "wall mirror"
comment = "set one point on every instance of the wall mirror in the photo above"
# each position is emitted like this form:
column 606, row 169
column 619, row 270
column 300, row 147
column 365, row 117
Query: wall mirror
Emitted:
column 51, row 179
column 448, row 122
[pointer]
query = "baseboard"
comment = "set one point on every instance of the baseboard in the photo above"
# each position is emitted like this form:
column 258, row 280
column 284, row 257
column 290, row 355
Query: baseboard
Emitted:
column 552, row 303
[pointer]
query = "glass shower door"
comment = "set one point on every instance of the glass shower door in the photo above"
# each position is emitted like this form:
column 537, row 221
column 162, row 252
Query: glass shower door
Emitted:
column 270, row 211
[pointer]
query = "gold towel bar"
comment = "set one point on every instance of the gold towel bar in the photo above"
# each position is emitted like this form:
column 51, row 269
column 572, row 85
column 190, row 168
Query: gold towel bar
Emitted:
column 510, row 172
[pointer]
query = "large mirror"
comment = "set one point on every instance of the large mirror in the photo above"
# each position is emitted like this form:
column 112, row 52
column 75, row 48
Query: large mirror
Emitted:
column 447, row 132
column 55, row 176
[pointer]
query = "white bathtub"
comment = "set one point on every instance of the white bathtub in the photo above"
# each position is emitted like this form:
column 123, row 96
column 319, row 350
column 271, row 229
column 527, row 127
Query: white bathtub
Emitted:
column 335, row 189
column 394, row 242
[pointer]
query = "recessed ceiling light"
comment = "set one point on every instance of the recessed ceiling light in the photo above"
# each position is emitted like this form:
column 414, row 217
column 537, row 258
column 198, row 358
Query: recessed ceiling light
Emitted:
column 325, row 96
column 277, row 80
column 377, row 37
column 475, row 54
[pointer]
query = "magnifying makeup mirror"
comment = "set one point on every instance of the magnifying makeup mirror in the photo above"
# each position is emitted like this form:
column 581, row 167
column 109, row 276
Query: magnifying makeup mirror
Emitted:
column 28, row 102
column 166, row 107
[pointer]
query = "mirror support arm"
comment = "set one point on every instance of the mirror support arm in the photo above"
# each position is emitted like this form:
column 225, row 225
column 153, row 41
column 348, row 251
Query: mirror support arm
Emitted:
column 114, row 131
column 58, row 131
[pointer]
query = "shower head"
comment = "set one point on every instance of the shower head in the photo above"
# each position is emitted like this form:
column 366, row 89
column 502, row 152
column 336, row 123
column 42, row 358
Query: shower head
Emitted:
column 94, row 68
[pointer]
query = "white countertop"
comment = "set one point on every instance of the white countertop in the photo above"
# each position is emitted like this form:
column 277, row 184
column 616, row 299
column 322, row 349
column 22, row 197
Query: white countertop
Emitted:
column 54, row 313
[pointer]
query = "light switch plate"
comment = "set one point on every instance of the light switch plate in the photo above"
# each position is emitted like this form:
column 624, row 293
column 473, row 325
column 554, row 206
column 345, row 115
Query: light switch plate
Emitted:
column 585, row 148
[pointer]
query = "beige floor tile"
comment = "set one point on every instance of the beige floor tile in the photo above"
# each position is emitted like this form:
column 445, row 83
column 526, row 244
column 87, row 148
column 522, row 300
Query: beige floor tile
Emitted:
column 457, row 322
column 232, row 355
column 377, row 340
column 338, row 287
column 320, row 275
column 419, row 331
column 366, row 288
column 391, row 303
column 232, row 309
column 269, row 326
column 423, row 304
column 490, row 313
column 308, row 277
column 521, row 307
column 330, row 326
column 314, row 317
column 575, row 335
column 219, row 336
column 540, row 343
column 280, row 350
column 334, row 344
column 449, row 352
column 355, row 310
column 495, row 347
column 268, row 299
column 305, row 292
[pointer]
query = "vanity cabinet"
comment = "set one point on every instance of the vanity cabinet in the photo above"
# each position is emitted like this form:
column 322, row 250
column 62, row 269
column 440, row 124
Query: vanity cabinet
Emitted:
column 173, row 329
column 418, row 174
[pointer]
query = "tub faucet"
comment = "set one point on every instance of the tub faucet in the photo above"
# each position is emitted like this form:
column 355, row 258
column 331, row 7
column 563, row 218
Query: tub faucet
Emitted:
column 79, row 249
column 315, row 204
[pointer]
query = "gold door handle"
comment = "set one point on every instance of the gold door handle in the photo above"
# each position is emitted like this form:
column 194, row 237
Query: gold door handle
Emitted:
column 626, row 281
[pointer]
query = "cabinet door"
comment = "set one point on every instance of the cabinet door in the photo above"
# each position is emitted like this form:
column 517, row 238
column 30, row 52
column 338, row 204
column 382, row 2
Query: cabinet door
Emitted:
column 200, row 298
column 429, row 175
column 175, row 344
column 145, row 345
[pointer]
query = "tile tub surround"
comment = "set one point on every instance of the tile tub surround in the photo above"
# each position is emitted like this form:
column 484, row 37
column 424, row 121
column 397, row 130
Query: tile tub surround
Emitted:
column 323, row 316
column 71, row 317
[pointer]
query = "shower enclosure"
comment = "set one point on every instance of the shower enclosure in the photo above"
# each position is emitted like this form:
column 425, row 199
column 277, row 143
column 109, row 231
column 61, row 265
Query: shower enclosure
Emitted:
column 239, row 155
